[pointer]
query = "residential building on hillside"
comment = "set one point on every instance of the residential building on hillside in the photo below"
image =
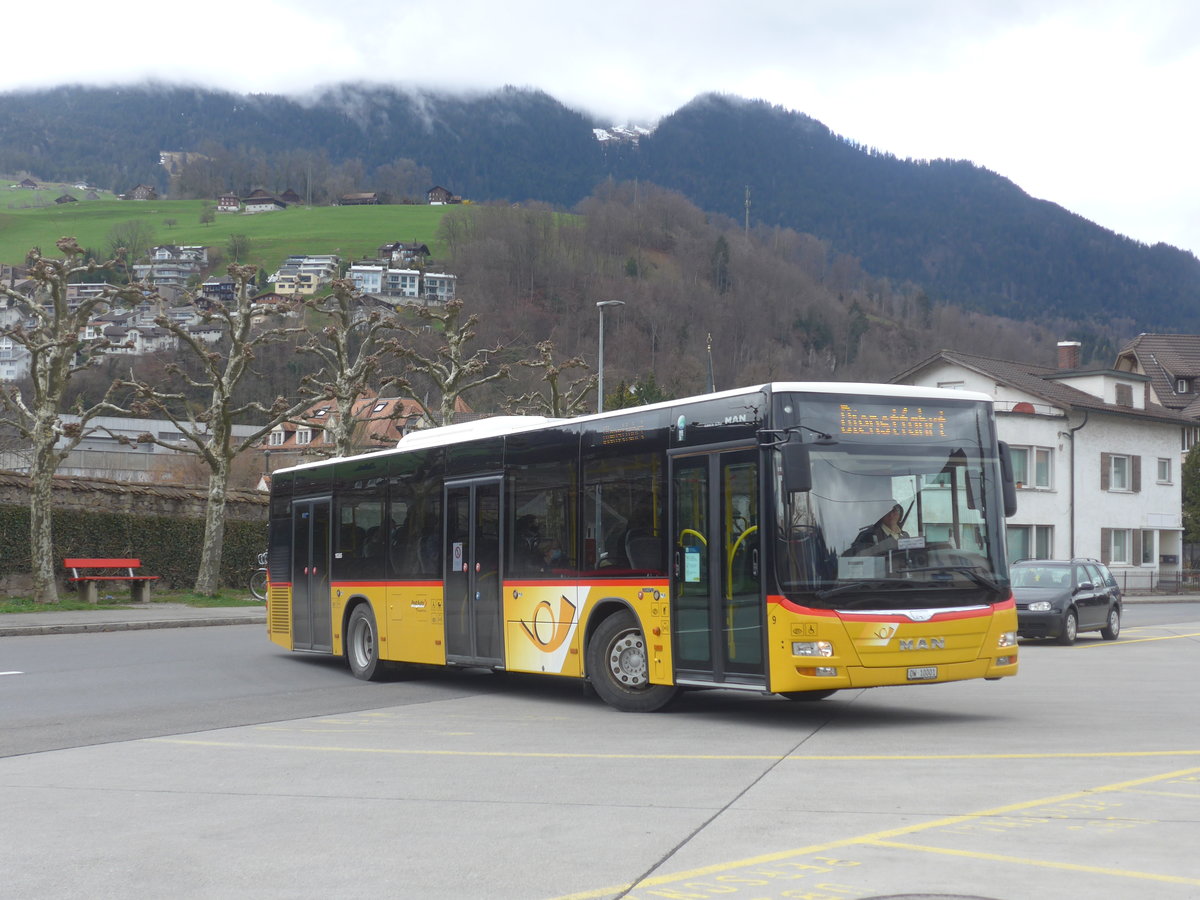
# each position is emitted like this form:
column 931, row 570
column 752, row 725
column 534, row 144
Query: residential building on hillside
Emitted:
column 140, row 192
column 371, row 198
column 171, row 266
column 262, row 204
column 438, row 287
column 219, row 289
column 305, row 274
column 377, row 278
column 402, row 283
column 399, row 253
column 367, row 276
column 438, row 195
column 229, row 202
column 1097, row 464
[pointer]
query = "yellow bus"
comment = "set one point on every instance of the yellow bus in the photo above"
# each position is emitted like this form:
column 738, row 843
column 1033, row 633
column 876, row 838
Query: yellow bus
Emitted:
column 791, row 538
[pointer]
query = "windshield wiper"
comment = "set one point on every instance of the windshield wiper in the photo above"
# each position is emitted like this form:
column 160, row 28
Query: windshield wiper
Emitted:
column 981, row 580
column 861, row 585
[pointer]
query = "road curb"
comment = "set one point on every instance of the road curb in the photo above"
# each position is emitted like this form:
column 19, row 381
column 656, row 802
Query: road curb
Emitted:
column 89, row 627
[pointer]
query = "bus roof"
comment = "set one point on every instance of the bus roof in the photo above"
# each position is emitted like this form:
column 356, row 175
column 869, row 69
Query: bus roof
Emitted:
column 494, row 426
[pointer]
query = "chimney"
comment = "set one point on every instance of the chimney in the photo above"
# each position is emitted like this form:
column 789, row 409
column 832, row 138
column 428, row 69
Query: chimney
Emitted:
column 1068, row 354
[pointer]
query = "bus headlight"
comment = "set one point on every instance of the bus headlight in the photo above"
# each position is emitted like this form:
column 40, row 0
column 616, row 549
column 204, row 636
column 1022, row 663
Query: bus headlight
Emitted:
column 1007, row 639
column 812, row 648
column 1040, row 606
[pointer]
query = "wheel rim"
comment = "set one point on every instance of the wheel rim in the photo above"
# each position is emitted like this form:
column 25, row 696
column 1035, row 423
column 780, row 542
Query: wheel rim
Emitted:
column 1114, row 622
column 1069, row 627
column 362, row 643
column 627, row 660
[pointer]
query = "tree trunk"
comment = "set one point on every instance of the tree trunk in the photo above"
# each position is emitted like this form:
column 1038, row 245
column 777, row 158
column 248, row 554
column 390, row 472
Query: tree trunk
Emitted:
column 41, row 535
column 208, row 579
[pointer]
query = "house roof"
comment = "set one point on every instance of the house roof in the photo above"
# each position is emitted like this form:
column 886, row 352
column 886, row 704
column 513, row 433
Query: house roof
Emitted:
column 1165, row 358
column 1048, row 384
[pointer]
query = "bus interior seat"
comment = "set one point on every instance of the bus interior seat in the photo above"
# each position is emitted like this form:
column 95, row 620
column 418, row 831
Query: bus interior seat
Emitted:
column 643, row 550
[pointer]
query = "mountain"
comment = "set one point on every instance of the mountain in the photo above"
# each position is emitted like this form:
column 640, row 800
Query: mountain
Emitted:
column 969, row 236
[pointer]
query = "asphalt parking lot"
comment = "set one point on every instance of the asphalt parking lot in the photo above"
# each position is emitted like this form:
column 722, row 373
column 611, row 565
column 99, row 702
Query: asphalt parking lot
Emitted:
column 1078, row 778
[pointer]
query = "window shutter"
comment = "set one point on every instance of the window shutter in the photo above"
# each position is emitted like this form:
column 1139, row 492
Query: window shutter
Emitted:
column 1135, row 557
column 1105, row 544
column 1137, row 479
column 1105, row 469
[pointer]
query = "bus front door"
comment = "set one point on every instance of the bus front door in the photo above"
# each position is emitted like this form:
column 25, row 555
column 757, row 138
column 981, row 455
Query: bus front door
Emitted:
column 716, row 597
column 311, row 626
column 473, row 578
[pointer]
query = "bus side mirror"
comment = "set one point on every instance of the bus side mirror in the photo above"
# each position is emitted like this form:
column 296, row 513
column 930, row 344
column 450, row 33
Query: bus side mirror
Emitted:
column 797, row 471
column 1006, row 475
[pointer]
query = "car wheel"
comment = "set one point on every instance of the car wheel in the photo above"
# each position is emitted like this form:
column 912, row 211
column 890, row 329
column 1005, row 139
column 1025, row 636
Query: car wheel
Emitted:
column 1110, row 631
column 1070, row 628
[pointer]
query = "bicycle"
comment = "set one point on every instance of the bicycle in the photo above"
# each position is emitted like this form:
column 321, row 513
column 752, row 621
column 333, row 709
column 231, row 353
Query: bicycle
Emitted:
column 258, row 579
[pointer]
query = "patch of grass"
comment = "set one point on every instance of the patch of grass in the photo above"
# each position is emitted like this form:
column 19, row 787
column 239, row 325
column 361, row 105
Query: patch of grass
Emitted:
column 352, row 232
column 69, row 601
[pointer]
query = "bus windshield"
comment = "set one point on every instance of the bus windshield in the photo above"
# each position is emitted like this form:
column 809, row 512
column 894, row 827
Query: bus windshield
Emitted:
column 904, row 511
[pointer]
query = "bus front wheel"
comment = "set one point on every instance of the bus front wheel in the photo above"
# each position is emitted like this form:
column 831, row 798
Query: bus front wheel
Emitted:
column 618, row 667
column 362, row 644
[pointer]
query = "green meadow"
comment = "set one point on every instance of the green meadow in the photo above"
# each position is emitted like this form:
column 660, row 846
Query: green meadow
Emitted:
column 352, row 232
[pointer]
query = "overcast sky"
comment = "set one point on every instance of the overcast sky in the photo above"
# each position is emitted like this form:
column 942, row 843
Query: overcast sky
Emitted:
column 1089, row 104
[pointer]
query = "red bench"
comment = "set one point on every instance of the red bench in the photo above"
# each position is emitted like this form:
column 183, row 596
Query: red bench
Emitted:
column 90, row 572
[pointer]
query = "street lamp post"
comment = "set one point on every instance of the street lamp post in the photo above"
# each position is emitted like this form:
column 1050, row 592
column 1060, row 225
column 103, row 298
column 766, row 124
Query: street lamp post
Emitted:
column 602, row 305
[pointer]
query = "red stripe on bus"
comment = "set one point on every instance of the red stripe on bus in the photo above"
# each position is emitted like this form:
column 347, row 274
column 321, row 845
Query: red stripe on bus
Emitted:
column 880, row 616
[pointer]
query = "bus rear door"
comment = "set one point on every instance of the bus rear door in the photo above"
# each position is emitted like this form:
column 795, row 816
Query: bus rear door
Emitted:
column 311, row 626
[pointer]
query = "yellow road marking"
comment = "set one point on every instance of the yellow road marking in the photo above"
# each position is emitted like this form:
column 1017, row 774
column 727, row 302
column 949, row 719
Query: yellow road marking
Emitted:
column 1042, row 863
column 885, row 836
column 1172, row 637
column 849, row 757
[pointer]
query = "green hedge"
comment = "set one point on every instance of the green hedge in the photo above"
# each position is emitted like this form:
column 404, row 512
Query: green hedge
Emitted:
column 168, row 547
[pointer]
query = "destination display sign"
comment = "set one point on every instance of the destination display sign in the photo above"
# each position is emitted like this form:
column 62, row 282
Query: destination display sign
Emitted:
column 901, row 422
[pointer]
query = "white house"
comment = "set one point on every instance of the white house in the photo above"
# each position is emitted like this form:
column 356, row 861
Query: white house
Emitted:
column 402, row 283
column 439, row 286
column 368, row 276
column 1097, row 463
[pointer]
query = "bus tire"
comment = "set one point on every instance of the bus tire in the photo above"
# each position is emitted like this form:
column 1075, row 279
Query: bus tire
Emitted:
column 362, row 645
column 808, row 695
column 618, row 667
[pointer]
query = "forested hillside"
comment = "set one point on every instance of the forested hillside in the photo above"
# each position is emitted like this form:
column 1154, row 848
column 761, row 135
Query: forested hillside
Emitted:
column 967, row 236
column 778, row 304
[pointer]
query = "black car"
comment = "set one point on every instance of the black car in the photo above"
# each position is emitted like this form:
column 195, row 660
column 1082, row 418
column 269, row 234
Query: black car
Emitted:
column 1060, row 598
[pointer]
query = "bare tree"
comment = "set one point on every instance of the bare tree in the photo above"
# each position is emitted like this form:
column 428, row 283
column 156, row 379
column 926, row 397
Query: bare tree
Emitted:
column 351, row 346
column 448, row 370
column 557, row 400
column 208, row 431
column 48, row 326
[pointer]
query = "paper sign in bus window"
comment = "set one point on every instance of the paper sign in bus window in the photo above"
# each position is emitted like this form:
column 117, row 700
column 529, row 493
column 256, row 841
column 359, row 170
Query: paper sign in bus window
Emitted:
column 691, row 564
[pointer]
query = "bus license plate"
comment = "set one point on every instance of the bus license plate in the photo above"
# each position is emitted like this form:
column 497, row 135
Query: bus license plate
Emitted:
column 923, row 673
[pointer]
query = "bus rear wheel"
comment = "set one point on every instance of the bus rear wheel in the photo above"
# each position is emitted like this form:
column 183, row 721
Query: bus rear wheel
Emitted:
column 618, row 667
column 362, row 645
